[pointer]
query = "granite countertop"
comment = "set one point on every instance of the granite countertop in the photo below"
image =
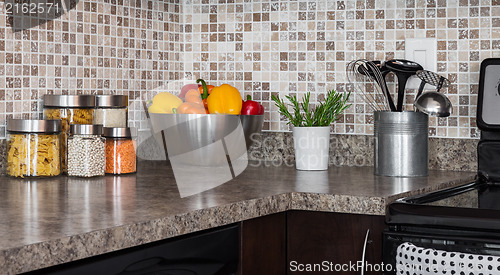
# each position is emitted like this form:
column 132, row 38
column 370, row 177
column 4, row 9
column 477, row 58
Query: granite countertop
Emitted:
column 51, row 221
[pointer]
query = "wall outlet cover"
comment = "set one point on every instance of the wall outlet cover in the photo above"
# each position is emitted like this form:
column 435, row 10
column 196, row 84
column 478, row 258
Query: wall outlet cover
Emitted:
column 424, row 52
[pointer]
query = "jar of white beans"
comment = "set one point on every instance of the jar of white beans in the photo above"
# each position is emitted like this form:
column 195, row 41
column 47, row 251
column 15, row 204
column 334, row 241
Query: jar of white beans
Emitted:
column 86, row 151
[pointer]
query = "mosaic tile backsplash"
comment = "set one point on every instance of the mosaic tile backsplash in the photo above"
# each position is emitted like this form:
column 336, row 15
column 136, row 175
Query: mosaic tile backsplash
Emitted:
column 294, row 47
column 99, row 47
column 140, row 47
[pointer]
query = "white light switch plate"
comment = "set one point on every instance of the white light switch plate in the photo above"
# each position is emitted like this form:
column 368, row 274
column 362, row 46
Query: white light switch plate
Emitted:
column 424, row 52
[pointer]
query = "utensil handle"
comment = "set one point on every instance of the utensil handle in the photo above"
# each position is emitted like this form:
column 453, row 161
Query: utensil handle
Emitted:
column 401, row 91
column 420, row 89
column 389, row 98
column 440, row 84
column 386, row 91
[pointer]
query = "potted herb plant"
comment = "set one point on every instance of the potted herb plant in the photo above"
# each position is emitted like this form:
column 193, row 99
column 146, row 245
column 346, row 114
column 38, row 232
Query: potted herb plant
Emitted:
column 311, row 126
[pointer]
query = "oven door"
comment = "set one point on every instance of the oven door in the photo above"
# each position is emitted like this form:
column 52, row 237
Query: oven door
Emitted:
column 457, row 229
column 436, row 253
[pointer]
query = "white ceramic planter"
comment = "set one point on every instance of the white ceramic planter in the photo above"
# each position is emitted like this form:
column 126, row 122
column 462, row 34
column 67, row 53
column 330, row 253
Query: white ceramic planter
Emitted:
column 311, row 146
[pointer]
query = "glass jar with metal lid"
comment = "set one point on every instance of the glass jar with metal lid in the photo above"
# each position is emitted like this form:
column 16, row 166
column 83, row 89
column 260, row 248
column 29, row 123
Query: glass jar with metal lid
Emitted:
column 86, row 151
column 111, row 110
column 33, row 148
column 120, row 150
column 71, row 109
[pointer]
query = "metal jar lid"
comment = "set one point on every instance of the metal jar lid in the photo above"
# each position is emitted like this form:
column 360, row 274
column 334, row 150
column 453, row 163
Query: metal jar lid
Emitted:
column 85, row 101
column 34, row 125
column 85, row 129
column 118, row 132
column 111, row 101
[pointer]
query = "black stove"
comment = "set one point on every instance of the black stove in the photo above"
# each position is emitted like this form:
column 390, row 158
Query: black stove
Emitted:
column 457, row 229
column 474, row 206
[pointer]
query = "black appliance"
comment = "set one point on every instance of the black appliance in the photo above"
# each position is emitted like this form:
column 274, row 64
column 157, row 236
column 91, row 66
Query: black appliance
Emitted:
column 211, row 252
column 454, row 231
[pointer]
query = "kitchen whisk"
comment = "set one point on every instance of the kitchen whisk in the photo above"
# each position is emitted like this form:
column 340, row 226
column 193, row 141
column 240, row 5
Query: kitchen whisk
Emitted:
column 363, row 75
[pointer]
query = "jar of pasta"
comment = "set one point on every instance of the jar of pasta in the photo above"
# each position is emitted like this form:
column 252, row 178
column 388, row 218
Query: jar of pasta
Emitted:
column 111, row 110
column 70, row 109
column 33, row 148
column 86, row 151
column 120, row 150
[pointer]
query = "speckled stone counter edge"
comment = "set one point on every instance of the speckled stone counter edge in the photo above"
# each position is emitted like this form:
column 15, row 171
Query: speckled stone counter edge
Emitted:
column 59, row 251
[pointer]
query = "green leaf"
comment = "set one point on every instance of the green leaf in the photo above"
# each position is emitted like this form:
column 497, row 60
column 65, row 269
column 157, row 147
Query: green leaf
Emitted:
column 324, row 114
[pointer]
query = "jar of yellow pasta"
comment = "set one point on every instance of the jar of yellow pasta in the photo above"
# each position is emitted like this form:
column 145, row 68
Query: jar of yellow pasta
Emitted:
column 33, row 148
column 70, row 109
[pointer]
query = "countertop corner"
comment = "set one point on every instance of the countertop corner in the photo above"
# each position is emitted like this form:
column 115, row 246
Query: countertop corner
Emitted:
column 57, row 220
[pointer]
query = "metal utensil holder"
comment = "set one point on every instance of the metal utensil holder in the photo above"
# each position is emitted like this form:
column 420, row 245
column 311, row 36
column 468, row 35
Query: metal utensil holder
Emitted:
column 401, row 144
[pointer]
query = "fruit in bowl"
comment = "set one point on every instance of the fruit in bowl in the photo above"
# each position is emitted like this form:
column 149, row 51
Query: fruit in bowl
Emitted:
column 251, row 107
column 164, row 103
column 207, row 99
column 188, row 126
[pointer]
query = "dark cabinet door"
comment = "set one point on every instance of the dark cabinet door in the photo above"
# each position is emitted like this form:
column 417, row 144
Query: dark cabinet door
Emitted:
column 263, row 245
column 333, row 241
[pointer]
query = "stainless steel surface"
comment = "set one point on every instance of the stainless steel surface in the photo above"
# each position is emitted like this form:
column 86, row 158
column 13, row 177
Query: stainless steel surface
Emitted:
column 434, row 104
column 365, row 243
column 33, row 125
column 401, row 144
column 83, row 101
column 118, row 132
column 111, row 101
column 374, row 71
column 440, row 84
column 252, row 126
column 433, row 79
column 85, row 129
column 190, row 132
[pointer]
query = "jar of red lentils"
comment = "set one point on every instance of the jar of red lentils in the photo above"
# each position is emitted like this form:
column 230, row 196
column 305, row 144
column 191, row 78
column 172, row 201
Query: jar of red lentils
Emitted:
column 120, row 150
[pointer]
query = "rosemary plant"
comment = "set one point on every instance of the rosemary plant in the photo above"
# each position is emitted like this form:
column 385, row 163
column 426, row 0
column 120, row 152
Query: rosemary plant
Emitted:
column 324, row 114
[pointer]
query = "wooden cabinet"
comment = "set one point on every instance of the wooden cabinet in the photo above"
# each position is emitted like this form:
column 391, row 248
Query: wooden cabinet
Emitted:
column 263, row 245
column 274, row 244
column 286, row 243
column 333, row 240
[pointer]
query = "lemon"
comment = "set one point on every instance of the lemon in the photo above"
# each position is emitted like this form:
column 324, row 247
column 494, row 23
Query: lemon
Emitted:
column 154, row 108
column 164, row 102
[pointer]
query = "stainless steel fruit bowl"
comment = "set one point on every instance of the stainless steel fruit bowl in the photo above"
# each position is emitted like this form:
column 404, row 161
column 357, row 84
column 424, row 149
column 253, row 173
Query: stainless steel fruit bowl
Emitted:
column 198, row 137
